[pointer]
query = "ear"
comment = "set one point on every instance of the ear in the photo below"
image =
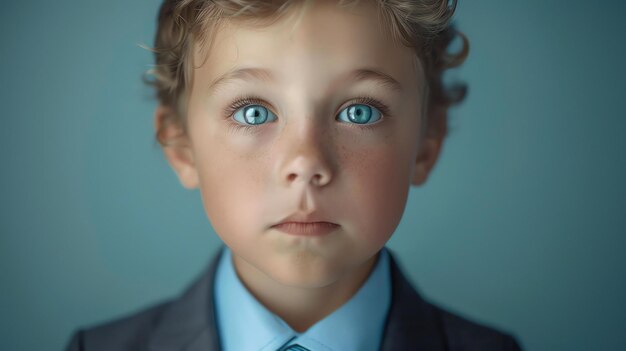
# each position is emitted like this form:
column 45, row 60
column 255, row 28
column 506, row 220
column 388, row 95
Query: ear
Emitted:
column 176, row 146
column 426, row 158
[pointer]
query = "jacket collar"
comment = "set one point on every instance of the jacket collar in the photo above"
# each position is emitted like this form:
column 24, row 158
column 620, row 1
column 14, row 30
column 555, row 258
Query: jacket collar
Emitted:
column 189, row 322
column 412, row 323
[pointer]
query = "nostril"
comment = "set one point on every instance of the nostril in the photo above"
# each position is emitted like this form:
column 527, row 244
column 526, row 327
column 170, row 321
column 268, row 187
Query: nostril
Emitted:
column 316, row 179
column 291, row 177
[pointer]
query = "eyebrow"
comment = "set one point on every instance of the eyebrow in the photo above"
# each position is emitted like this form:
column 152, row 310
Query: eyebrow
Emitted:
column 262, row 74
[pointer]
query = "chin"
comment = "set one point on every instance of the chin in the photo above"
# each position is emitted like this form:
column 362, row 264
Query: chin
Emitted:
column 304, row 276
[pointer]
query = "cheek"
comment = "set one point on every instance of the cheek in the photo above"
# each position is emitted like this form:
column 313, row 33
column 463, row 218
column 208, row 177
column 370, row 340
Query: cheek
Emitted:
column 379, row 185
column 229, row 183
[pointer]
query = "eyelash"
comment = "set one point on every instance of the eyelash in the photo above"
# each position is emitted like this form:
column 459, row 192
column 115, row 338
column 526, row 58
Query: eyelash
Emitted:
column 243, row 101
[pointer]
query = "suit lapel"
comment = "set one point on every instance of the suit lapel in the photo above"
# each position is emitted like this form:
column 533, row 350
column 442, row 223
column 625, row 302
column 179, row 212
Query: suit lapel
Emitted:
column 189, row 322
column 412, row 323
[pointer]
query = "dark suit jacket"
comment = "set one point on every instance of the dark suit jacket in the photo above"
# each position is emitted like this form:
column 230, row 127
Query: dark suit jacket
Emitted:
column 188, row 323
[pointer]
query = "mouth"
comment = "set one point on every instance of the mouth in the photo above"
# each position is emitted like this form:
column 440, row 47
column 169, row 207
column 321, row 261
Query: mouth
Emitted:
column 306, row 228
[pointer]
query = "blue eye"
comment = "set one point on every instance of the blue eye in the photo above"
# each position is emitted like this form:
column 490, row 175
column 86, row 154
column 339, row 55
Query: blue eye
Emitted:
column 253, row 115
column 360, row 114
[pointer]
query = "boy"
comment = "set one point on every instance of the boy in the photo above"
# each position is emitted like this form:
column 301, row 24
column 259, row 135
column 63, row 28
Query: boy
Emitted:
column 303, row 124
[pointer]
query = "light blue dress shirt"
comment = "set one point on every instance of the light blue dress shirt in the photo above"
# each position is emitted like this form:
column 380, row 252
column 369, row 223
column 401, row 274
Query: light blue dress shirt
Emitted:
column 244, row 324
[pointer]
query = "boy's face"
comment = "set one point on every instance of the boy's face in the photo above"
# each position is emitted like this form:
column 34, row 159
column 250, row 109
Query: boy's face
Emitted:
column 305, row 156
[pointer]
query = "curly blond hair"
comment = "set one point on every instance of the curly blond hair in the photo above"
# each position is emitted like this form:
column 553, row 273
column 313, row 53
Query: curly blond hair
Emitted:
column 423, row 25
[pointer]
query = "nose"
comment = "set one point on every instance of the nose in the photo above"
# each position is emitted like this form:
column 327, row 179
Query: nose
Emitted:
column 307, row 157
column 306, row 170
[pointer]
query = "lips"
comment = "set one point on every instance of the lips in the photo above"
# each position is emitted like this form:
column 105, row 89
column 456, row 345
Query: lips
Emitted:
column 311, row 224
column 306, row 228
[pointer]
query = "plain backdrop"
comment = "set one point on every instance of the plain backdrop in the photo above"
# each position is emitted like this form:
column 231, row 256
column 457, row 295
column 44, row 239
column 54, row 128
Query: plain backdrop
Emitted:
column 521, row 225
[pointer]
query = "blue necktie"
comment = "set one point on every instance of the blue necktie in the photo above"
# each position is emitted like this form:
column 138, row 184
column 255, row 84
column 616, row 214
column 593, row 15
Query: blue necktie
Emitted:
column 296, row 347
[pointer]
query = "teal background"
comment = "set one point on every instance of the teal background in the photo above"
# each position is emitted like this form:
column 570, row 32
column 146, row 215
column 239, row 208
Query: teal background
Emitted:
column 520, row 226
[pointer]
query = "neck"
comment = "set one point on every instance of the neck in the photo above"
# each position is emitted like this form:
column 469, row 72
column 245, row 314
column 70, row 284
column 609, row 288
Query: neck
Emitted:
column 302, row 307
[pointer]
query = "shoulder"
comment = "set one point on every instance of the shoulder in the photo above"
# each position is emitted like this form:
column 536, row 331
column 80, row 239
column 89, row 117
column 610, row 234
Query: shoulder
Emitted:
column 465, row 334
column 169, row 324
column 125, row 333
column 417, row 322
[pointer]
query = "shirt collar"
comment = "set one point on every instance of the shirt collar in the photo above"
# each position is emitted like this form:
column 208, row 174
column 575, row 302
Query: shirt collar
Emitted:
column 245, row 324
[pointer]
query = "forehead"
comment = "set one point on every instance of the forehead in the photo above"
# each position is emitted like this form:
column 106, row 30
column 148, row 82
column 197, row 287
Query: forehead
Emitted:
column 311, row 43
